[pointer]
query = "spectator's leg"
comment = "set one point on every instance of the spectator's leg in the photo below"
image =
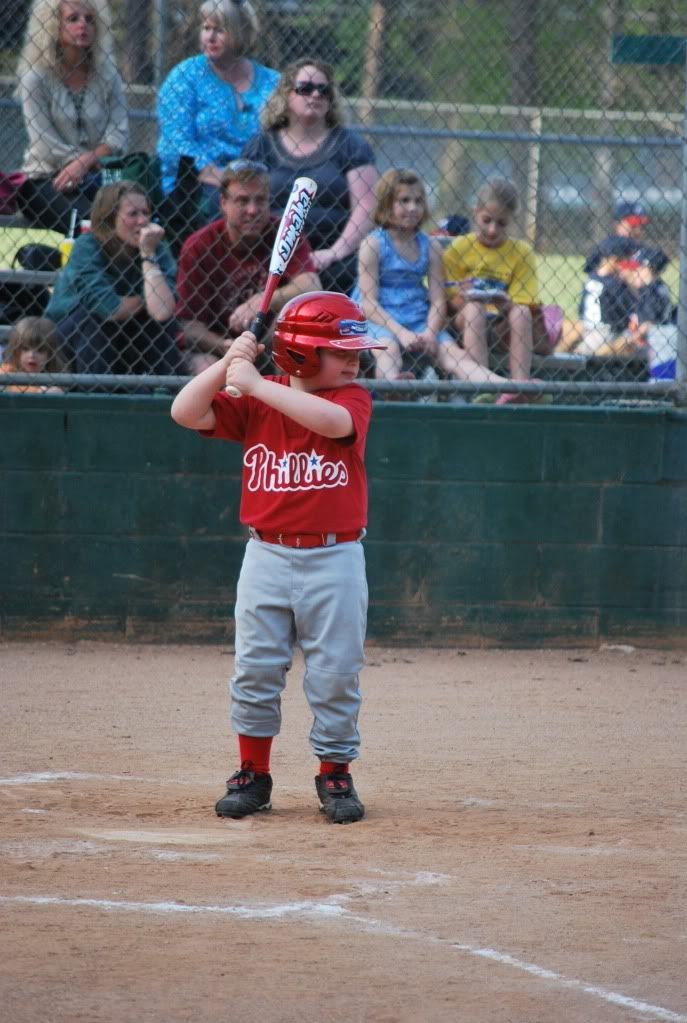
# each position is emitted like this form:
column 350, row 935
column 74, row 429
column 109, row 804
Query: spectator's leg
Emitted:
column 520, row 323
column 87, row 343
column 474, row 326
column 388, row 362
column 44, row 207
column 163, row 357
column 455, row 361
column 151, row 347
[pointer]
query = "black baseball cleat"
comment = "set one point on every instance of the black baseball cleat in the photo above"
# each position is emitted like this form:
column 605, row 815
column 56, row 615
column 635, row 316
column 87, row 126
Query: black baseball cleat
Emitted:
column 338, row 798
column 247, row 792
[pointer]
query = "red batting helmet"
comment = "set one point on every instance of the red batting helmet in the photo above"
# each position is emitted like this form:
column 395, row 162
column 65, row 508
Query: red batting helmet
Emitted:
column 318, row 319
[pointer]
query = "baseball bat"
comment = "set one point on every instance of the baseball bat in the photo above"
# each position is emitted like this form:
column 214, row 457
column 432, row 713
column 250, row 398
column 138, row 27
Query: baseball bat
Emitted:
column 288, row 235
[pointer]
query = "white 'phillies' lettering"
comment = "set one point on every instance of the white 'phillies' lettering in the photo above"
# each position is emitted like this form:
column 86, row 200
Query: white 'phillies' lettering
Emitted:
column 294, row 470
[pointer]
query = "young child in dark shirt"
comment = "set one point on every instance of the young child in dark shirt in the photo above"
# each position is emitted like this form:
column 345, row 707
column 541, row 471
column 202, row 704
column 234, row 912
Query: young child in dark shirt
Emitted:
column 654, row 301
column 608, row 305
column 654, row 322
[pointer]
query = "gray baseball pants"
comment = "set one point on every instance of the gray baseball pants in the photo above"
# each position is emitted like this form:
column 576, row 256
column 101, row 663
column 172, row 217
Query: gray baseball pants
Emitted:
column 318, row 599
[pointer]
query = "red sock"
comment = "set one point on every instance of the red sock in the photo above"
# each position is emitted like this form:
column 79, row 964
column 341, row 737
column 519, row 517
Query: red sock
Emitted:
column 256, row 750
column 329, row 767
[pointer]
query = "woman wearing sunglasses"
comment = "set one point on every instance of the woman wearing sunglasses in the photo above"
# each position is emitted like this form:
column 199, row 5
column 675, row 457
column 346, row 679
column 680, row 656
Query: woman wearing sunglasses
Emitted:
column 209, row 105
column 303, row 134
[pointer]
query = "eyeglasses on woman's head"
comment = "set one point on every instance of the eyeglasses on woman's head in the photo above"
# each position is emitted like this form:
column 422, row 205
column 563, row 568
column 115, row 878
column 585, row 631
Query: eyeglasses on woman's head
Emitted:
column 247, row 165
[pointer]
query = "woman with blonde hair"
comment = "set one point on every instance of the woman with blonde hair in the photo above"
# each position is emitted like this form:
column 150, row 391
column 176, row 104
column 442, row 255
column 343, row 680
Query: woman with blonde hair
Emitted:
column 113, row 303
column 73, row 105
column 303, row 133
column 209, row 105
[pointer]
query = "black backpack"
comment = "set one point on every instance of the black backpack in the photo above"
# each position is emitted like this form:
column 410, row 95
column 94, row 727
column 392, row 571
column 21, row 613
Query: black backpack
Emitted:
column 19, row 299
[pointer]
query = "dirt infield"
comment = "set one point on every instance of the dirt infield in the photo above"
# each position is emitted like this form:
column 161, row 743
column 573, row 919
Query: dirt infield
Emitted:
column 522, row 859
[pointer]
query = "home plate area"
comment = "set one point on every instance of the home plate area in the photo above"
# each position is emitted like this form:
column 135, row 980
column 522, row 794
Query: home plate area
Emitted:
column 520, row 860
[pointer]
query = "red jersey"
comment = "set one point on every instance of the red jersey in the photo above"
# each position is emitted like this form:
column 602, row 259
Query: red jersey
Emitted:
column 295, row 480
column 215, row 277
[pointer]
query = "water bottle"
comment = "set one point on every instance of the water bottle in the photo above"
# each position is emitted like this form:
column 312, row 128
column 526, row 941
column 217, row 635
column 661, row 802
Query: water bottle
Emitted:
column 67, row 244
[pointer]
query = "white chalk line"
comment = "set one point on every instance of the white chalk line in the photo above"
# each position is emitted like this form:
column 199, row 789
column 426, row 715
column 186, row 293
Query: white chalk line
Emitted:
column 333, row 909
column 41, row 777
column 45, row 777
column 247, row 912
column 613, row 997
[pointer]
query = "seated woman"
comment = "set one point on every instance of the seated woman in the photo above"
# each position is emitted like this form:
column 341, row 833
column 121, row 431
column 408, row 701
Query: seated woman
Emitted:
column 73, row 107
column 303, row 134
column 209, row 105
column 113, row 303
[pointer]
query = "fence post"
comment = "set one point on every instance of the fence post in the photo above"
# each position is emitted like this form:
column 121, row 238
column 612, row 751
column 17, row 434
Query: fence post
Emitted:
column 450, row 192
column 533, row 169
column 681, row 361
column 372, row 63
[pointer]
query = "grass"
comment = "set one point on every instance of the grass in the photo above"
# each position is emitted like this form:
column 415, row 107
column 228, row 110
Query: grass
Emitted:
column 560, row 277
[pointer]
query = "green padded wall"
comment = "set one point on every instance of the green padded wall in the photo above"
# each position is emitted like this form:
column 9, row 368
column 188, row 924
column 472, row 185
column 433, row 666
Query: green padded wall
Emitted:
column 490, row 526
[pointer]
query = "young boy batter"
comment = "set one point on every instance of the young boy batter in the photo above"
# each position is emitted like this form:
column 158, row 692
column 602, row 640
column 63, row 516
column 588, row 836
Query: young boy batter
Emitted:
column 304, row 499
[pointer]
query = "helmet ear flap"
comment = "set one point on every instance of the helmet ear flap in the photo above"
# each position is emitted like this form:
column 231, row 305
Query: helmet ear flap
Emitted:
column 297, row 357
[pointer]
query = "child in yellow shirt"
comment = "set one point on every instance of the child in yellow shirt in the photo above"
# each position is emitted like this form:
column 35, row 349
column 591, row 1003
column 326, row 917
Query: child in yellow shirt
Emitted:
column 492, row 285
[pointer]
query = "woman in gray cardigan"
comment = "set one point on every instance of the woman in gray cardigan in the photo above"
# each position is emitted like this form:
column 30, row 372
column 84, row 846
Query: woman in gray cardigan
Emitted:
column 73, row 106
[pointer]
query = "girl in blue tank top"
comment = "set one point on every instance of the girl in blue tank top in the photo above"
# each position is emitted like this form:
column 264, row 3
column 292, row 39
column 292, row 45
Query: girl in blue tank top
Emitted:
column 400, row 276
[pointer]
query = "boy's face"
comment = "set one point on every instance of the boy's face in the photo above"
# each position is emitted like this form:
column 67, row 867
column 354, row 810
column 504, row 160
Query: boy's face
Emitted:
column 608, row 266
column 630, row 274
column 630, row 227
column 336, row 370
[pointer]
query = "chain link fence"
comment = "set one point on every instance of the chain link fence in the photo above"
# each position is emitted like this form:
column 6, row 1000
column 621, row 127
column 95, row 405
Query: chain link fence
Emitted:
column 533, row 254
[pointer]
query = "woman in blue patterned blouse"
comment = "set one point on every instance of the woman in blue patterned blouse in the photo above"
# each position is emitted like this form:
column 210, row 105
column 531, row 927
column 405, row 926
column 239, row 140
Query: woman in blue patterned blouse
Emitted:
column 209, row 105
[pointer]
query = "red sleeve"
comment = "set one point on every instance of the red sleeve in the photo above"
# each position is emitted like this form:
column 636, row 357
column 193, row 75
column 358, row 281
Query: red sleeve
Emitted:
column 359, row 403
column 231, row 416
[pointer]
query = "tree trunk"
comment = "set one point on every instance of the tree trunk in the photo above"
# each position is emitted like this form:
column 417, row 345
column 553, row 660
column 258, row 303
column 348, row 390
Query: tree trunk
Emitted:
column 524, row 88
column 374, row 53
column 613, row 16
column 138, row 66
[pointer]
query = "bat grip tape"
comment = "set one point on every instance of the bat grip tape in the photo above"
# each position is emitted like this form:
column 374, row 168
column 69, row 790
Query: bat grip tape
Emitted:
column 259, row 326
